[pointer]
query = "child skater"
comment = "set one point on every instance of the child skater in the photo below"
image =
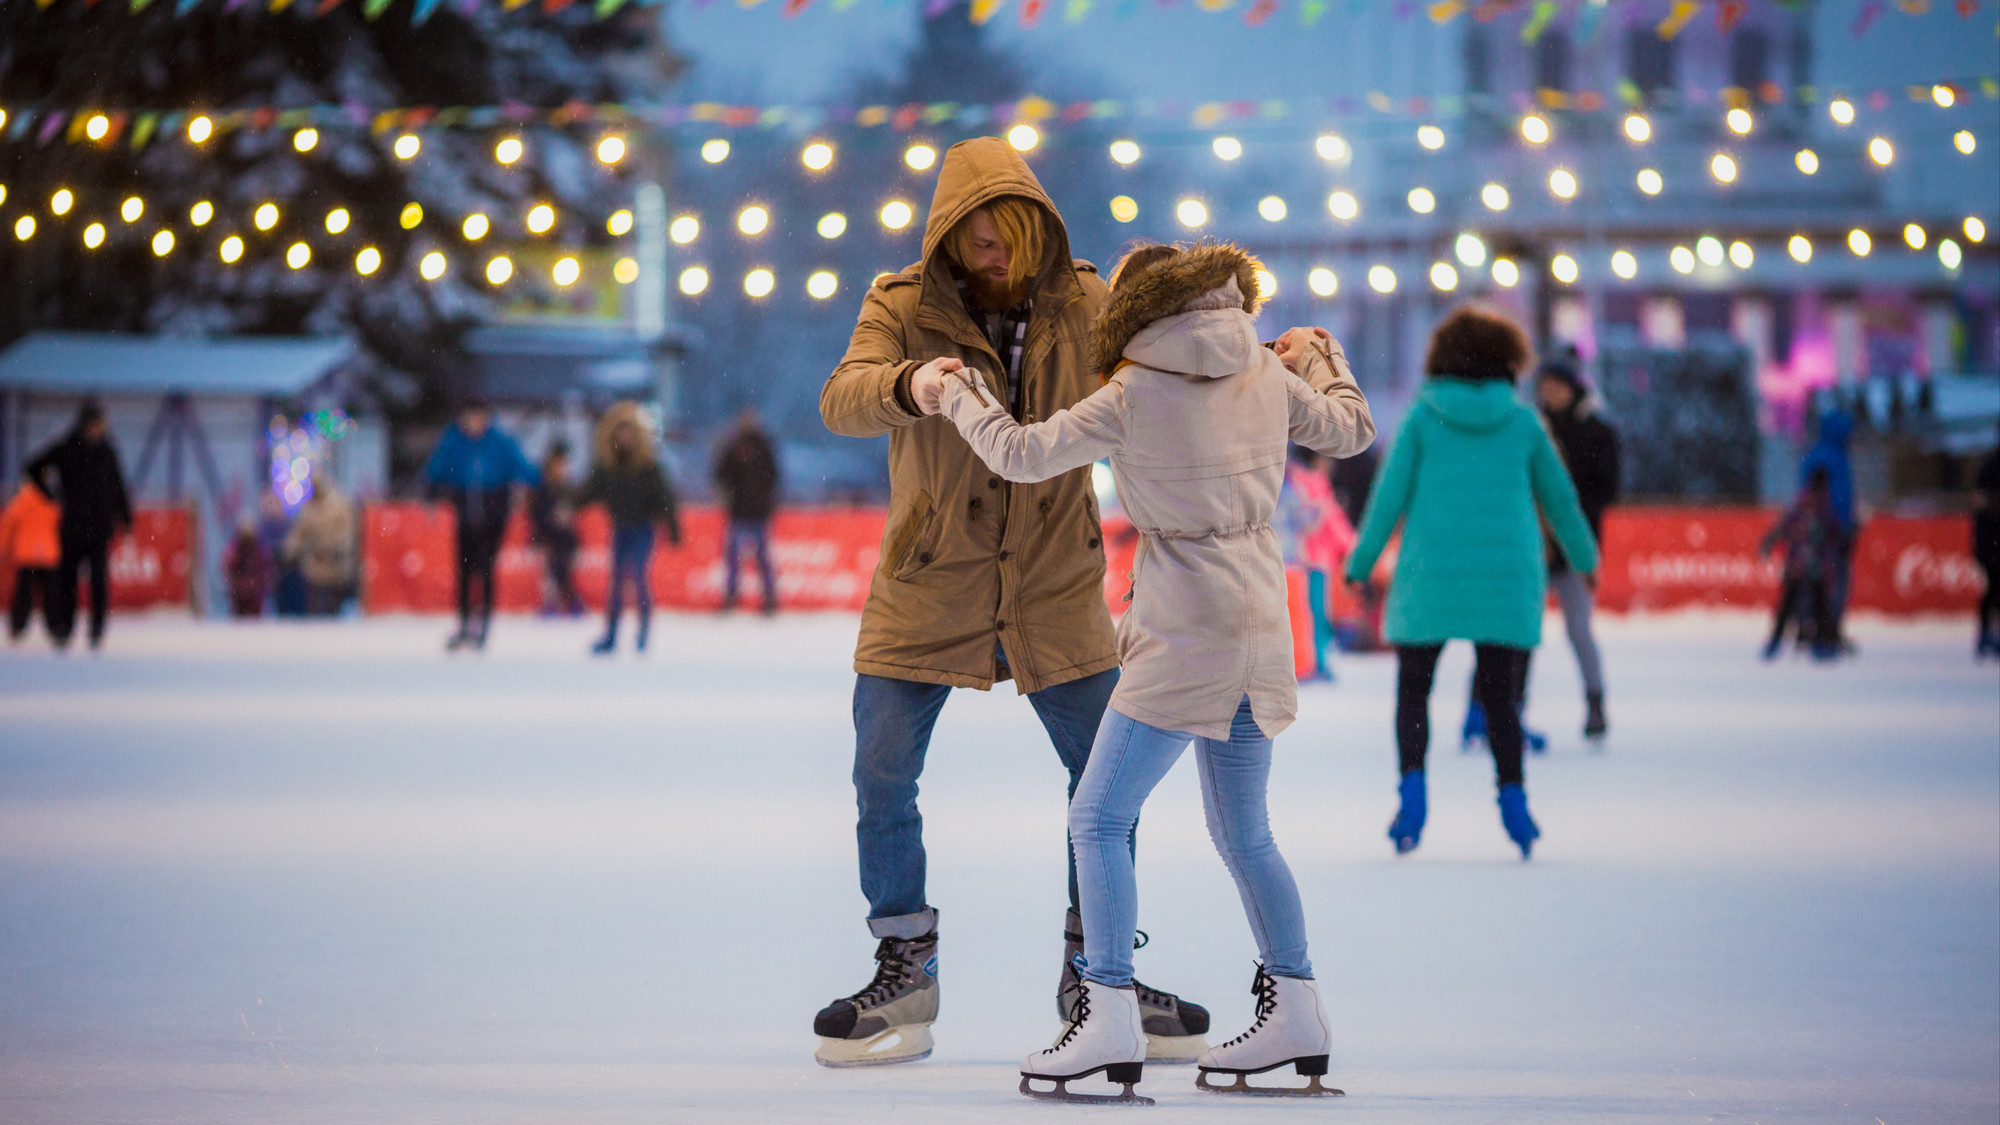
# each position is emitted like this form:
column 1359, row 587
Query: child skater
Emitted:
column 1194, row 416
column 1815, row 544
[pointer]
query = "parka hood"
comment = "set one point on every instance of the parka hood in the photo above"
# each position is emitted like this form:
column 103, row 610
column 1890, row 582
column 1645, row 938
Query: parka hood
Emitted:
column 1470, row 404
column 975, row 173
column 1188, row 314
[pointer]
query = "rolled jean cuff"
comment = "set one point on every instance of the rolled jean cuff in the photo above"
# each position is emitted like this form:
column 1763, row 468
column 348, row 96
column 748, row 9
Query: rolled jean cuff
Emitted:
column 904, row 927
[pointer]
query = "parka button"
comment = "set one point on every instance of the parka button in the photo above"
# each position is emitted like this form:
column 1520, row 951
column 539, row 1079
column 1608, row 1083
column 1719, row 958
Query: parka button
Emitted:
column 924, row 558
column 1095, row 542
column 1003, row 555
column 999, row 625
column 993, row 482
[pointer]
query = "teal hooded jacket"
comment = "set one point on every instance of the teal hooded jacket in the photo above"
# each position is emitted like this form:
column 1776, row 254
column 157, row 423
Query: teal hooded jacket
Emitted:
column 1470, row 467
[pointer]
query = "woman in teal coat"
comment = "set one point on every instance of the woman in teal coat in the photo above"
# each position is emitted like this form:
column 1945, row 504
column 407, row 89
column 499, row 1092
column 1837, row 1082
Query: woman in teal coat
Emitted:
column 1470, row 470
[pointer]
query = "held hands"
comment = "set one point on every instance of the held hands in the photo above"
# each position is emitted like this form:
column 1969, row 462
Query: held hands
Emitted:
column 1291, row 346
column 927, row 384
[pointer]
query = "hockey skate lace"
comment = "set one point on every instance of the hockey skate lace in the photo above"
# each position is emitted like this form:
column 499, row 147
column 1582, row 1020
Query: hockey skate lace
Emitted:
column 892, row 970
column 1265, row 989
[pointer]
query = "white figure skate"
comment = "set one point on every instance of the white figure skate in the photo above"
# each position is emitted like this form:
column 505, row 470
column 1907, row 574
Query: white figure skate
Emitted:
column 1107, row 1038
column 1291, row 1030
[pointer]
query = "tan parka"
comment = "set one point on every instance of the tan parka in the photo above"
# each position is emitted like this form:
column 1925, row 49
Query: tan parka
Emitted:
column 969, row 559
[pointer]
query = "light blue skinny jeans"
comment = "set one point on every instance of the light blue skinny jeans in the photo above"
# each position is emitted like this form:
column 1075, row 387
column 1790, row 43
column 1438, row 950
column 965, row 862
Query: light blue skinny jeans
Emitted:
column 1127, row 761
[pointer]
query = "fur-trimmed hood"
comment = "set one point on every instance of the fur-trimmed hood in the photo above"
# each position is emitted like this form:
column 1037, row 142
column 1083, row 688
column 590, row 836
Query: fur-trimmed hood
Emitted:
column 1208, row 277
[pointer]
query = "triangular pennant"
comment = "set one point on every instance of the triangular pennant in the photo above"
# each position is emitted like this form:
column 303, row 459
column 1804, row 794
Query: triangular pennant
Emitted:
column 1865, row 18
column 373, row 8
column 183, row 7
column 1538, row 22
column 1311, row 11
column 423, row 11
column 607, row 8
column 1445, row 11
column 1679, row 17
column 794, row 8
column 1259, row 12
column 140, row 5
column 1075, row 10
column 142, row 129
column 984, row 10
column 1031, row 12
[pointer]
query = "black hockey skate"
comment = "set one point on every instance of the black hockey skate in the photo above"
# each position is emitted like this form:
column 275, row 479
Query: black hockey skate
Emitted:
column 1176, row 1029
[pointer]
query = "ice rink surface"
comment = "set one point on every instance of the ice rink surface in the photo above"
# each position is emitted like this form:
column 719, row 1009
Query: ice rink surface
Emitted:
column 322, row 873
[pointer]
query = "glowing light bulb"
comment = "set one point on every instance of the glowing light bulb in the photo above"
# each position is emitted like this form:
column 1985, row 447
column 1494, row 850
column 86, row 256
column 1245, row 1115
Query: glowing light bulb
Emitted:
column 625, row 271
column 508, row 151
column 683, row 230
column 337, row 220
column 1226, row 148
column 1382, row 279
column 1343, row 205
column 408, row 146
column 1271, row 208
column 1975, row 229
column 367, row 261
column 1430, row 136
column 541, row 217
column 693, row 281
column 61, row 201
column 201, row 213
column 1723, row 167
column 566, row 270
column 1914, row 235
column 1624, row 264
column 93, row 236
column 1534, row 129
column 817, row 156
column 1808, row 161
column 897, row 214
column 1944, row 96
column 1638, row 128
column 298, row 256
column 432, row 266
column 610, row 151
column 1322, row 282
column 1563, row 183
column 1741, row 255
column 1422, row 201
column 132, row 208
column 24, row 227
column 1125, row 152
column 475, row 226
column 1023, row 137
column 1949, row 255
column 753, row 220
column 1334, row 147
column 97, row 127
column 619, row 224
column 265, row 217
column 200, row 129
column 1739, row 121
column 920, row 157
column 1267, row 284
column 822, row 284
column 1470, row 250
column 1564, row 268
column 1650, row 181
column 413, row 214
column 1124, row 208
column 1709, row 249
column 1494, row 197
column 1800, row 248
column 1965, row 142
column 1505, row 273
column 833, row 224
column 715, row 151
column 1191, row 212
column 1443, row 277
column 1881, row 151
column 499, row 269
column 1859, row 242
column 305, row 140
column 759, row 282
column 1841, row 110
column 231, row 248
column 1682, row 259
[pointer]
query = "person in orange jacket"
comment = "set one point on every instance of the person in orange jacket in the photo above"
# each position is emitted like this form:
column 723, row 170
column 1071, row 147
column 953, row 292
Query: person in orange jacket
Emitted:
column 31, row 547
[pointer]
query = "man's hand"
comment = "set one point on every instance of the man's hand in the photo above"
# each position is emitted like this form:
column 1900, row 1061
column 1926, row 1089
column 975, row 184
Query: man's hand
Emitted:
column 927, row 384
column 1292, row 345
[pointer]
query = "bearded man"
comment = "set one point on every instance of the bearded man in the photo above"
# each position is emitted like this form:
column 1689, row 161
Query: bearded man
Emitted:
column 980, row 580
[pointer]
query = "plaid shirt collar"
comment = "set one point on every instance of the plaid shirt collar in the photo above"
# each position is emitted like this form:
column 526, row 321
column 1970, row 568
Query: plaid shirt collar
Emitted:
column 1008, row 333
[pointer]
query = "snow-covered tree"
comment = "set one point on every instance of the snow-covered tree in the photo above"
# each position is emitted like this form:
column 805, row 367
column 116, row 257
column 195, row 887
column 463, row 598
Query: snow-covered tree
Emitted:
column 215, row 58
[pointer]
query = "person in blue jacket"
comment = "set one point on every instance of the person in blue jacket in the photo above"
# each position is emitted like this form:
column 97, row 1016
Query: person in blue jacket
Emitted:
column 476, row 466
column 1829, row 455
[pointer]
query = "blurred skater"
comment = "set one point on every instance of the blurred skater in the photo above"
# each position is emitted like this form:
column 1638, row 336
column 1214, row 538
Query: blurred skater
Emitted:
column 249, row 569
column 1194, row 416
column 1317, row 537
column 552, row 516
column 91, row 489
column 1829, row 452
column 1815, row 542
column 627, row 479
column 476, row 466
column 746, row 474
column 31, row 547
column 1986, row 552
column 324, row 542
column 1469, row 472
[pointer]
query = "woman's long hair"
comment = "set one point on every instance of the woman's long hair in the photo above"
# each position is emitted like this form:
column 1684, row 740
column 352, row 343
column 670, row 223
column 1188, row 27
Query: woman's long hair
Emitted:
column 606, row 449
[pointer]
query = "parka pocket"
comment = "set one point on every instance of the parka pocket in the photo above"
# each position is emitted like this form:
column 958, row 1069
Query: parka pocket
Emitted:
column 918, row 541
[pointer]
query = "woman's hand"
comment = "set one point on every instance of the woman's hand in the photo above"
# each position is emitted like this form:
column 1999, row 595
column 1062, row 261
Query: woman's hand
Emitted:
column 1293, row 344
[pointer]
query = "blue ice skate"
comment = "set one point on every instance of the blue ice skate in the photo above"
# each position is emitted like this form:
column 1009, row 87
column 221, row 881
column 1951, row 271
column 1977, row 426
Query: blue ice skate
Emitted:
column 1408, row 827
column 1514, row 817
column 1475, row 731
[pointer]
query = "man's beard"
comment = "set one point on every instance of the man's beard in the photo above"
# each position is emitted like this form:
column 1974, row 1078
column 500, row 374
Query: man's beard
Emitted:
column 997, row 296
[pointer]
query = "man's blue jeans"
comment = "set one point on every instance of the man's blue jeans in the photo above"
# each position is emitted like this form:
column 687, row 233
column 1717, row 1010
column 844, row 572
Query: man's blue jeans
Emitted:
column 1128, row 760
column 892, row 726
column 758, row 537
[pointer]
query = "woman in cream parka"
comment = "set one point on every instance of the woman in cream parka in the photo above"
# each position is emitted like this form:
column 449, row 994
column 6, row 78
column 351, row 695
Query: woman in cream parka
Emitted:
column 1195, row 416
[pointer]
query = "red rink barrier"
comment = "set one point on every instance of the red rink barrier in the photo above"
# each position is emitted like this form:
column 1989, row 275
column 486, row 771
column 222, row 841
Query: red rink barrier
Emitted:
column 824, row 559
column 151, row 565
column 1655, row 559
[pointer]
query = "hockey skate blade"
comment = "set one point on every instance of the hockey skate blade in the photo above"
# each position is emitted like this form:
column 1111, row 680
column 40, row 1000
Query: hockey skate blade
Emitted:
column 1312, row 1068
column 910, row 1042
column 1123, row 1074
column 1174, row 1050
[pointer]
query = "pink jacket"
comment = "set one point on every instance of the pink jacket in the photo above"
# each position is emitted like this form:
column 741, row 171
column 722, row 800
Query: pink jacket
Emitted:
column 1323, row 545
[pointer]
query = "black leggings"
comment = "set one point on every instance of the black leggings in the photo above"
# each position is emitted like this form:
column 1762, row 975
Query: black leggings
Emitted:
column 478, row 549
column 1808, row 603
column 97, row 557
column 1497, row 681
